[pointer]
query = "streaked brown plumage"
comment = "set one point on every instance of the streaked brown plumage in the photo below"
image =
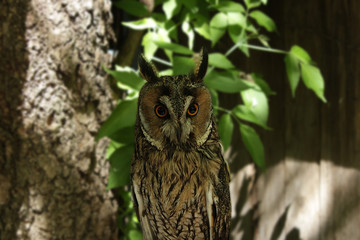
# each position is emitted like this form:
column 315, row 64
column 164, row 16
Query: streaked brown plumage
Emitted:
column 180, row 181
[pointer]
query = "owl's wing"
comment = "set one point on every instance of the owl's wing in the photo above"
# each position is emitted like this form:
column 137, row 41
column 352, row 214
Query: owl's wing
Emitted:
column 219, row 205
column 140, row 211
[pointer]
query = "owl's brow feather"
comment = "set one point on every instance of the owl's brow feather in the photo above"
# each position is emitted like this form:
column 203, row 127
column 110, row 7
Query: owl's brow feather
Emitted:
column 165, row 90
column 188, row 91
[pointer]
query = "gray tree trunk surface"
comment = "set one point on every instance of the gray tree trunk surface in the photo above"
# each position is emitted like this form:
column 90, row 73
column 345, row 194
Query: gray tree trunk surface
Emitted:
column 53, row 97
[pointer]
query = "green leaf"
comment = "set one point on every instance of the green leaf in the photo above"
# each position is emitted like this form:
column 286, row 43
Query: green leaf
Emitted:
column 135, row 8
column 204, row 30
column 201, row 26
column 124, row 135
column 313, row 79
column 167, row 72
column 228, row 82
column 251, row 28
column 219, row 60
column 264, row 1
column 163, row 37
column 253, row 144
column 256, row 101
column 252, row 3
column 293, row 72
column 182, row 65
column 230, row 6
column 188, row 30
column 300, row 54
column 218, row 26
column 120, row 160
column 193, row 6
column 263, row 20
column 171, row 7
column 126, row 196
column 127, row 78
column 235, row 18
column 237, row 35
column 216, row 34
column 219, row 21
column 226, row 128
column 148, row 43
column 124, row 115
column 264, row 40
column 135, row 235
column 171, row 29
column 262, row 84
column 174, row 47
column 244, row 113
column 111, row 148
column 141, row 24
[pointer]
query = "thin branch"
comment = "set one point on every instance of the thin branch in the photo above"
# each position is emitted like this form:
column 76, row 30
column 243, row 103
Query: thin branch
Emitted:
column 222, row 109
column 159, row 60
column 233, row 48
column 237, row 119
column 265, row 49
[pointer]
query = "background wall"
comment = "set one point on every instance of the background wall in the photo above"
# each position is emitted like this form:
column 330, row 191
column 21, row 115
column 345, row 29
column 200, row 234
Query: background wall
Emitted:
column 311, row 188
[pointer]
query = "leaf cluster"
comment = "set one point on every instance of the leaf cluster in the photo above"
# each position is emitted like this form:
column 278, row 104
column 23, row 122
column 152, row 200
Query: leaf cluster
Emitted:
column 210, row 20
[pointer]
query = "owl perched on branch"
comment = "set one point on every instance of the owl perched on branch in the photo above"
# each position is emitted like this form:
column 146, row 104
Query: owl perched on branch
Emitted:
column 180, row 180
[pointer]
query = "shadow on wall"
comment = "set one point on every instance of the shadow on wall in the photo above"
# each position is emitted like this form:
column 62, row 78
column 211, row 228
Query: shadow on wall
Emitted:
column 299, row 204
column 244, row 223
column 294, row 234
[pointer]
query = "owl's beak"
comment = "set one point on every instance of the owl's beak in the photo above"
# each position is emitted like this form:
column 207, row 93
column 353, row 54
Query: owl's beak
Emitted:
column 178, row 134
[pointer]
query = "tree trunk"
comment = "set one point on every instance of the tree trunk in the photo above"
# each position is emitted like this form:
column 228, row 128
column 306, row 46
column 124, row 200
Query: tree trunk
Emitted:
column 53, row 98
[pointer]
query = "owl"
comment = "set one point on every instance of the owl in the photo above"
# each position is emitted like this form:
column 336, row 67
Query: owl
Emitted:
column 179, row 178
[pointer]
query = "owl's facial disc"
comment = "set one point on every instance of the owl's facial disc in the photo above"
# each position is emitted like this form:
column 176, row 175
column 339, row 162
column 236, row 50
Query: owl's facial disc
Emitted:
column 177, row 115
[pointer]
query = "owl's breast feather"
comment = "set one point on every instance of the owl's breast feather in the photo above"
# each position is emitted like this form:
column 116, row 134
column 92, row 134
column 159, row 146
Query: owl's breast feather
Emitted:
column 174, row 193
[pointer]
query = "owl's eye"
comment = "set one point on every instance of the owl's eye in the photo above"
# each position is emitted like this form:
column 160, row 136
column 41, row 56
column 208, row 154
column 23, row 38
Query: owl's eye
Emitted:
column 193, row 109
column 161, row 111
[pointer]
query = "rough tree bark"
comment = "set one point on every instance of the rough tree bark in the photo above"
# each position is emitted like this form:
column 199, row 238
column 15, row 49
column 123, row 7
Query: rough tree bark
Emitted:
column 53, row 98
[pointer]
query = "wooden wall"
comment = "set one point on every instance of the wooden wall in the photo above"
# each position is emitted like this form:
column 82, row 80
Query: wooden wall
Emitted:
column 311, row 188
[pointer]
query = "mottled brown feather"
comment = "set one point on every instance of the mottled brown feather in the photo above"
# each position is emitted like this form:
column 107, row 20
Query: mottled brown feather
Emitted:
column 180, row 184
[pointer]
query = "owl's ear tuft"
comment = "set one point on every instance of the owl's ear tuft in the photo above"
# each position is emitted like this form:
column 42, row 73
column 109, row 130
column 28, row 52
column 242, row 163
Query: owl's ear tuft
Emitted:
column 201, row 66
column 147, row 70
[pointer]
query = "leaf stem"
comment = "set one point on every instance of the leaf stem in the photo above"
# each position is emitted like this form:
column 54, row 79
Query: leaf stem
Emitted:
column 265, row 49
column 229, row 112
column 161, row 61
column 233, row 48
column 222, row 109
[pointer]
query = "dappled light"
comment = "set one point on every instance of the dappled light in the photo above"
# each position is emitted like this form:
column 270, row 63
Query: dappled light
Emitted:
column 298, row 200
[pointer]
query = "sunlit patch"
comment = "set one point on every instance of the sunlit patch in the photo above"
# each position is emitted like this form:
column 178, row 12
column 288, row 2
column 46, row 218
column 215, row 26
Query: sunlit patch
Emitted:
column 254, row 102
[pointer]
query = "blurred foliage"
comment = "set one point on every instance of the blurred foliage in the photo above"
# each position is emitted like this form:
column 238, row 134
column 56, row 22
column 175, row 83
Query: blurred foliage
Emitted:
column 209, row 20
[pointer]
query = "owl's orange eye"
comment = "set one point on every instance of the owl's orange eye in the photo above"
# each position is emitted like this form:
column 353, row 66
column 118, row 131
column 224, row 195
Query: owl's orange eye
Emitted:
column 161, row 111
column 193, row 109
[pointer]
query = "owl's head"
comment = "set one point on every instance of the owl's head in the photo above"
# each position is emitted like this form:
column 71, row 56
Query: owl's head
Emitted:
column 175, row 111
